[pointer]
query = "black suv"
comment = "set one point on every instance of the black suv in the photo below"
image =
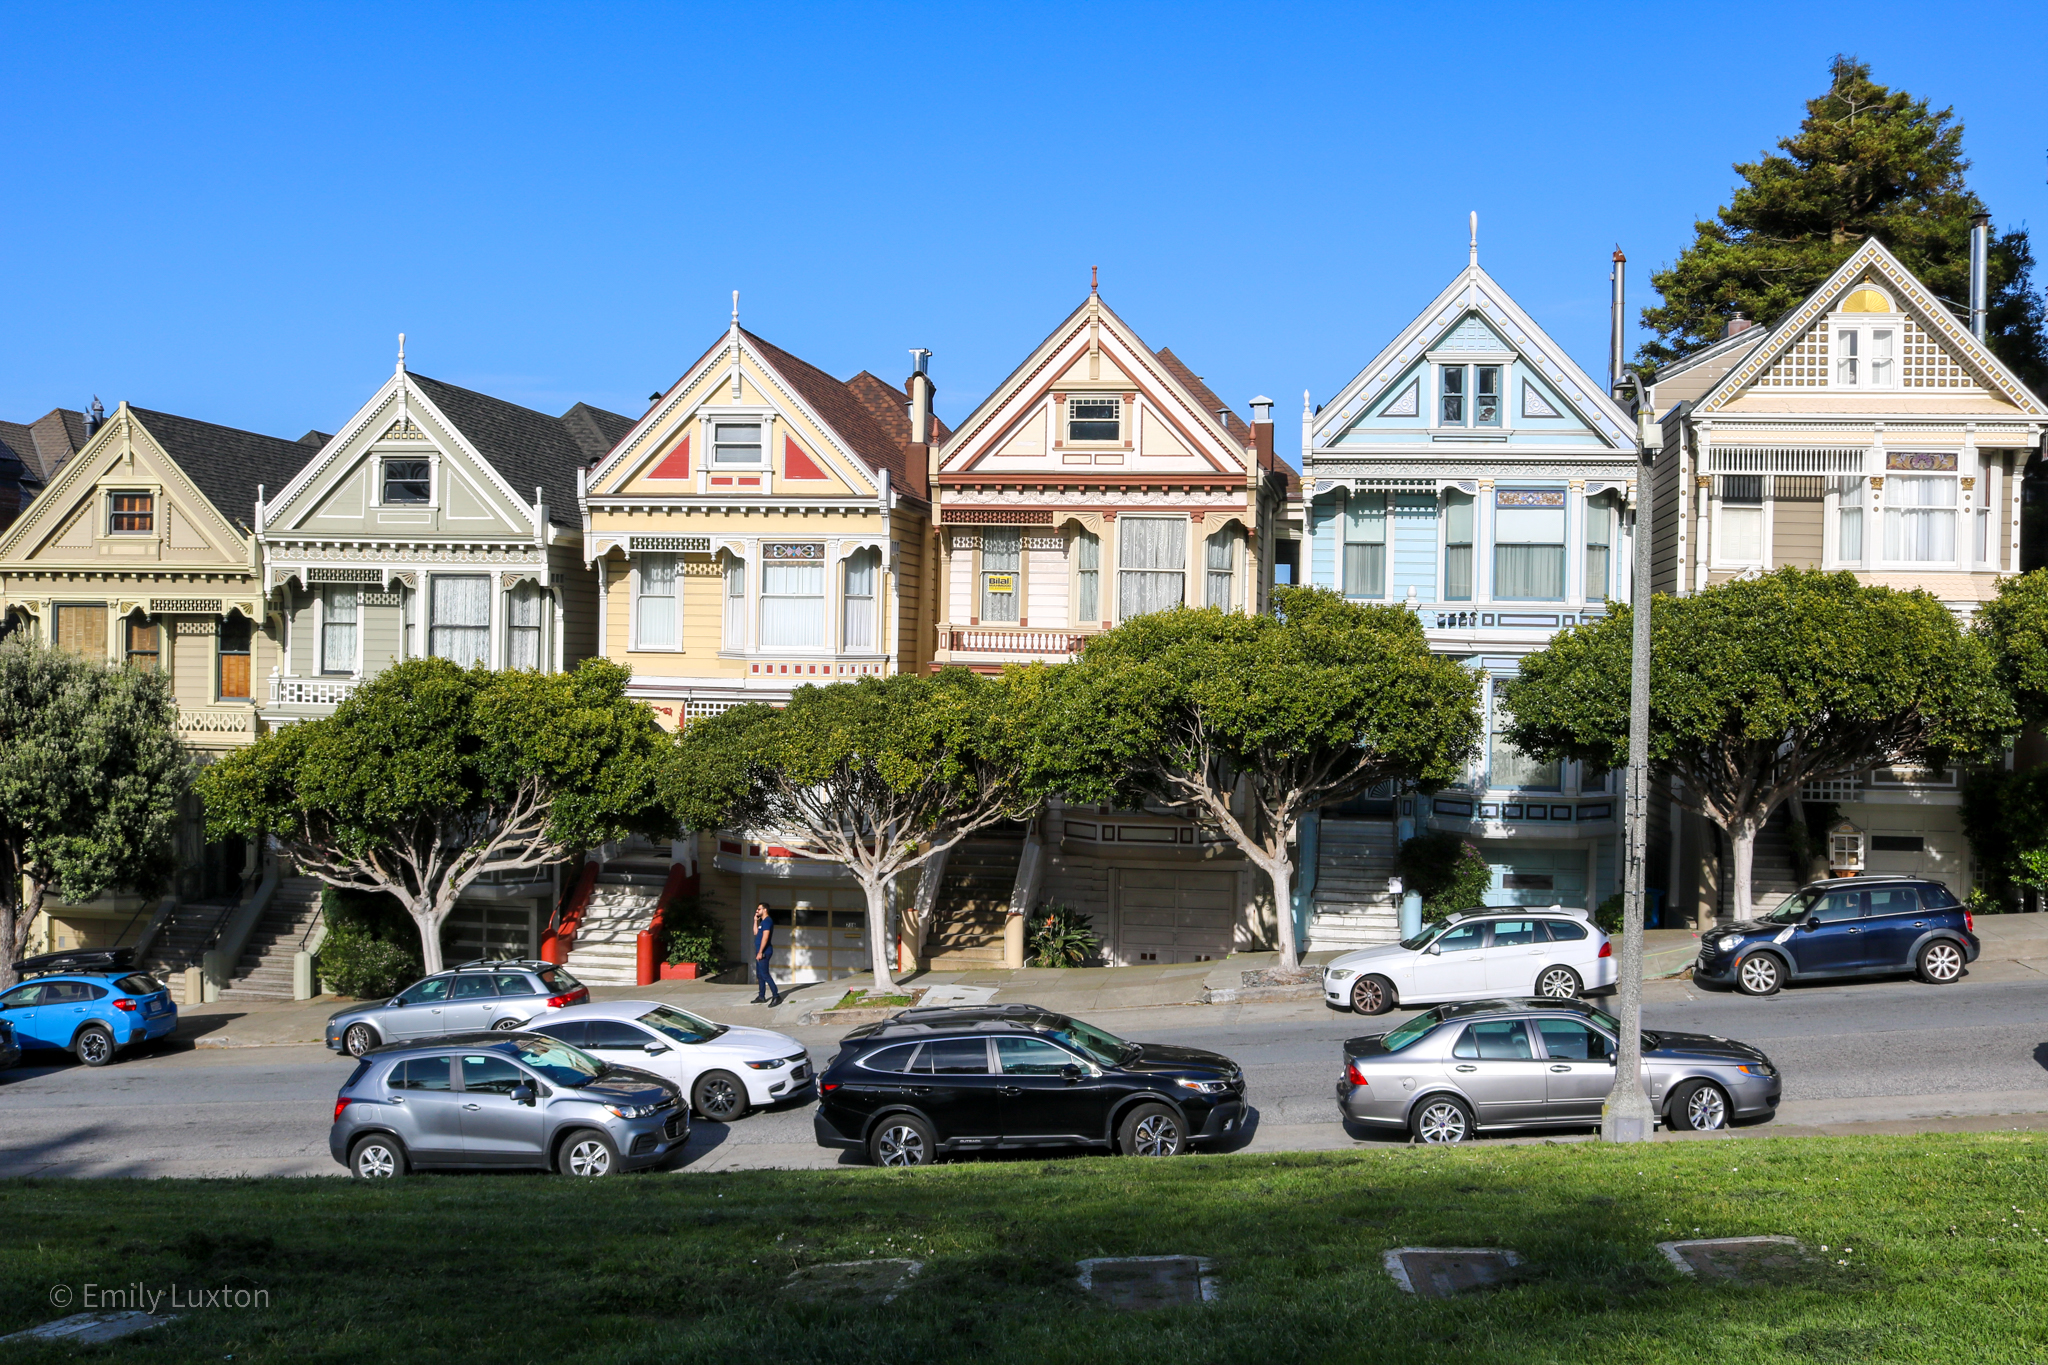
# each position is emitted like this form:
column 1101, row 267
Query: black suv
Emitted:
column 952, row 1080
column 1851, row 926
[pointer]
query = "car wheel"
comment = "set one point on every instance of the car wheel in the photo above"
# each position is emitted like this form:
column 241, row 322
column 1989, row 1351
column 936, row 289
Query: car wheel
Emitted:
column 1558, row 983
column 376, row 1158
column 504, row 1025
column 588, row 1153
column 1441, row 1119
column 1151, row 1130
column 1941, row 962
column 1700, row 1107
column 1760, row 974
column 1372, row 995
column 94, row 1046
column 903, row 1140
column 358, row 1039
column 719, row 1096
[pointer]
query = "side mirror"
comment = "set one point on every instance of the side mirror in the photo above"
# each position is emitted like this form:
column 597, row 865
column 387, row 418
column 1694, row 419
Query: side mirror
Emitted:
column 1072, row 1072
column 654, row 1049
column 396, row 1002
column 522, row 1094
column 1434, row 951
column 1812, row 922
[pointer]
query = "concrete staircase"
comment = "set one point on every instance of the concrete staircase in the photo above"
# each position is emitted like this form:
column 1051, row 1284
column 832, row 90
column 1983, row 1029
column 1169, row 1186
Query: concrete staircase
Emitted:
column 1772, row 874
column 265, row 971
column 607, row 947
column 974, row 900
column 183, row 939
column 1351, row 906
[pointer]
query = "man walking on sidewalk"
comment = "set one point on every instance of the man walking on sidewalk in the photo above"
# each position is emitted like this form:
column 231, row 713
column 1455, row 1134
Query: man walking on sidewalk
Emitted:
column 764, row 949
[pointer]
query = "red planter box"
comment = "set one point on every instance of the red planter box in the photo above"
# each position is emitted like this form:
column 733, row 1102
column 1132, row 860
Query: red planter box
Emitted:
column 678, row 971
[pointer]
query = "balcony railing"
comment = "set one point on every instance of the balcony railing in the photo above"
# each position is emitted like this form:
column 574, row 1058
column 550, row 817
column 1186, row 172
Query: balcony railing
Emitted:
column 216, row 722
column 309, row 691
column 1015, row 641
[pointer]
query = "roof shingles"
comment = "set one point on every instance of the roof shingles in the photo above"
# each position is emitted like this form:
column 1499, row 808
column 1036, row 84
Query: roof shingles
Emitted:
column 530, row 449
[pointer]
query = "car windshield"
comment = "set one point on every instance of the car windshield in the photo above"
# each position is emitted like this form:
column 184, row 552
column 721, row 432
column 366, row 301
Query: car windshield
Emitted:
column 1794, row 907
column 1423, row 939
column 1415, row 1028
column 681, row 1025
column 1104, row 1048
column 560, row 1063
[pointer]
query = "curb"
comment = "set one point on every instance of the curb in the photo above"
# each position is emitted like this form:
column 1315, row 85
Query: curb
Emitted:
column 1252, row 995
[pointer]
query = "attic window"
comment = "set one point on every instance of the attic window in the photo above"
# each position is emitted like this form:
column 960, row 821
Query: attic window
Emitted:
column 406, row 481
column 736, row 443
column 1095, row 418
column 131, row 514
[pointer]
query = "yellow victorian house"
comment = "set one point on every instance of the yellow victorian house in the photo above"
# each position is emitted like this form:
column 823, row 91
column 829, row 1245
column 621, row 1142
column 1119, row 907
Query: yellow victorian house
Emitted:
column 141, row 551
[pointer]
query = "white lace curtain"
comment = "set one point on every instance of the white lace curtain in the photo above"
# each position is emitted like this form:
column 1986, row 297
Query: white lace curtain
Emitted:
column 657, row 601
column 459, row 618
column 1087, row 577
column 858, row 629
column 792, row 605
column 523, row 620
column 1920, row 519
column 1151, row 564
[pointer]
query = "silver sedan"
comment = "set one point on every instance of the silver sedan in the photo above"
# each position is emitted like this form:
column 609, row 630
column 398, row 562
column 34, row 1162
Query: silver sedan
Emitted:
column 1456, row 1070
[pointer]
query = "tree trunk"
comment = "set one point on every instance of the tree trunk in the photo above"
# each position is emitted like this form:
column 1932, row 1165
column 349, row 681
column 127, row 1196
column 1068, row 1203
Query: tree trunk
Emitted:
column 430, row 922
column 1281, row 870
column 1742, row 861
column 879, row 947
column 12, row 931
column 925, row 905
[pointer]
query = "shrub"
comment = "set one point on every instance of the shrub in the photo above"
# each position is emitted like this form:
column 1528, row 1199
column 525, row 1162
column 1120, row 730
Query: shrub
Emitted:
column 1060, row 937
column 693, row 936
column 356, row 962
column 2005, row 816
column 1608, row 915
column 1448, row 873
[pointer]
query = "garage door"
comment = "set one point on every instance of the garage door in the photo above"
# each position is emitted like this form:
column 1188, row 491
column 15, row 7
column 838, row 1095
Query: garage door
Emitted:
column 1536, row 876
column 821, row 930
column 488, row 929
column 1175, row 916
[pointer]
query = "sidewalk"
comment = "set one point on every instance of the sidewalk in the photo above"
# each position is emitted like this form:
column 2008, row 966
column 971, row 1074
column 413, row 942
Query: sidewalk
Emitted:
column 2014, row 945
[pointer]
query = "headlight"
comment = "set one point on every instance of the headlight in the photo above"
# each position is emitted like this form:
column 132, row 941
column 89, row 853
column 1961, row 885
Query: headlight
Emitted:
column 1341, row 973
column 1205, row 1087
column 635, row 1111
column 1764, row 1069
column 770, row 1064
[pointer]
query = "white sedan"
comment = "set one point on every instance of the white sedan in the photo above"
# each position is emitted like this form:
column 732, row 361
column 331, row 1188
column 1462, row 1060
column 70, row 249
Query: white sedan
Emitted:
column 724, row 1070
column 1478, row 955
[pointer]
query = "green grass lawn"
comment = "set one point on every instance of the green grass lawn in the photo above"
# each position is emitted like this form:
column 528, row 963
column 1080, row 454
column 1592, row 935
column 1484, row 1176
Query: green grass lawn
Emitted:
column 665, row 1268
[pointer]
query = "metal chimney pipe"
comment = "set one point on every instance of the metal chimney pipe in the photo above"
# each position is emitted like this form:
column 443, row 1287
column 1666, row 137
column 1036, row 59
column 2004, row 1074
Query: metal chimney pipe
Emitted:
column 1620, row 324
column 1980, row 261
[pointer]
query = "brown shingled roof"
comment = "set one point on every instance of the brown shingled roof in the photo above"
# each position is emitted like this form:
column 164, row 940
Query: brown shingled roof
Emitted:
column 1240, row 430
column 857, row 413
column 45, row 444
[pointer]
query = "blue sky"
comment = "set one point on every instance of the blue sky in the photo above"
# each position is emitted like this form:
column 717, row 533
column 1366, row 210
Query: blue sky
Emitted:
column 230, row 211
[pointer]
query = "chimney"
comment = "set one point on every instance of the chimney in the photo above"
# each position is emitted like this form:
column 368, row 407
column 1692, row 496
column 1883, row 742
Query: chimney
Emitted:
column 1980, row 260
column 1620, row 326
column 1262, row 430
column 920, row 390
column 95, row 417
column 1736, row 325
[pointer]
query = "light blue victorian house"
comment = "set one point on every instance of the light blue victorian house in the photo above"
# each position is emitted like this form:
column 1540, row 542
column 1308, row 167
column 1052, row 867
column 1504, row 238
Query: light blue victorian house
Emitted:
column 1475, row 474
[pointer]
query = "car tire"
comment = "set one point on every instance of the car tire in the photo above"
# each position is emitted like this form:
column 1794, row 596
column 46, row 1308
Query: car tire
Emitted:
column 1760, row 974
column 357, row 1039
column 93, row 1046
column 1442, row 1120
column 377, row 1157
column 1151, row 1130
column 719, row 1096
column 1372, row 995
column 1940, row 963
column 587, row 1154
column 1558, row 983
column 504, row 1025
column 901, row 1140
column 1701, row 1107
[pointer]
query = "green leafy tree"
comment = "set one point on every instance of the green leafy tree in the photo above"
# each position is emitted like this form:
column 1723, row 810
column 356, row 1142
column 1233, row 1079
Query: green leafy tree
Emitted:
column 1448, row 873
column 1246, row 723
column 2015, row 624
column 1867, row 161
column 2005, row 816
column 428, row 776
column 1760, row 685
column 879, row 775
column 91, row 776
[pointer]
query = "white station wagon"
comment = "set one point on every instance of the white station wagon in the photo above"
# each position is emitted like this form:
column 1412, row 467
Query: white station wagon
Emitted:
column 1476, row 955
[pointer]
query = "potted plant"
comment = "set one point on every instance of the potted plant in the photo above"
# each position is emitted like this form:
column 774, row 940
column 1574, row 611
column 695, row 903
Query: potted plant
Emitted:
column 694, row 947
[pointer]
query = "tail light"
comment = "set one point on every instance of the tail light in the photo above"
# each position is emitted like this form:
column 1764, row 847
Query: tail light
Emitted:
column 1607, row 949
column 829, row 1086
column 575, row 997
column 1353, row 1074
column 124, row 1003
column 340, row 1105
column 1969, row 922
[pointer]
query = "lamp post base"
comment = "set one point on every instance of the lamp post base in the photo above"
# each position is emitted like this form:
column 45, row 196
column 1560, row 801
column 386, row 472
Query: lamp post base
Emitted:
column 1627, row 1117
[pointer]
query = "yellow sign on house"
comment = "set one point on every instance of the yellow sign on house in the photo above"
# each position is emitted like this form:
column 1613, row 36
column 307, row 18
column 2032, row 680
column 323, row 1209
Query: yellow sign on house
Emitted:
column 1002, row 582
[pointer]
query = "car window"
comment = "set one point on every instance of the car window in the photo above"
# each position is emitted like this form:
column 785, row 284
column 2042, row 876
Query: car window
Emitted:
column 557, row 979
column 71, row 993
column 1514, row 933
column 1564, row 930
column 560, row 1063
column 1497, row 1040
column 1414, row 1029
column 954, row 1057
column 21, row 997
column 571, row 1031
column 1571, row 1041
column 421, row 1073
column 138, row 984
column 510, row 983
column 681, row 1025
column 1938, row 897
column 85, row 990
column 1031, row 1057
column 1793, row 908
column 490, row 1075
column 893, row 1059
column 1892, row 900
column 1462, row 938
column 1838, row 905
column 615, row 1033
column 470, row 985
column 1104, row 1047
column 432, row 991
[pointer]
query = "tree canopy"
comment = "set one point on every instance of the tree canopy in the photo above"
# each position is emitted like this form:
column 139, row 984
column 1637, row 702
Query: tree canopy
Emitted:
column 2015, row 624
column 91, row 777
column 1306, row 707
column 1867, row 161
column 429, row 775
column 1760, row 685
column 879, row 775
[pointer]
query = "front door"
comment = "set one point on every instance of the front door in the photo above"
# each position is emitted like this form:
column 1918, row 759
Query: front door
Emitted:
column 419, row 1016
column 423, row 1090
column 953, row 1083
column 1835, row 944
column 1041, row 1101
column 1452, row 968
column 495, row 1127
column 1498, row 1070
column 1580, row 1068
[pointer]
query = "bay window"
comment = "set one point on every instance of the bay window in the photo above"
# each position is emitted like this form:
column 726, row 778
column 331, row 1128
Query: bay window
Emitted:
column 1365, row 545
column 1001, row 563
column 857, row 630
column 1458, row 517
column 1920, row 519
column 1528, row 544
column 1599, row 549
column 338, row 630
column 1849, row 521
column 1221, row 581
column 655, row 602
column 459, row 618
column 793, row 596
column 523, row 626
column 1087, row 577
column 735, row 602
column 1151, row 565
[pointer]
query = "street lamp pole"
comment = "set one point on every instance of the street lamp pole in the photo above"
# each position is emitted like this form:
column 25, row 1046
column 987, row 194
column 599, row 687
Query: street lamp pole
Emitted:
column 1627, row 1115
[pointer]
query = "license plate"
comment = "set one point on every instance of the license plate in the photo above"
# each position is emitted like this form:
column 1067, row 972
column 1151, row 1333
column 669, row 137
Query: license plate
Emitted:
column 153, row 1007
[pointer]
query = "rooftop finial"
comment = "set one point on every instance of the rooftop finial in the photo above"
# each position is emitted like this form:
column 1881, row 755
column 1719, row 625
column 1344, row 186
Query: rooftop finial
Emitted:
column 735, row 307
column 1094, row 279
column 401, row 353
column 1475, row 236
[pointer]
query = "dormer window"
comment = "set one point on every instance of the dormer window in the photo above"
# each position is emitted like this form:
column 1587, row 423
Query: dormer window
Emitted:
column 407, row 481
column 131, row 514
column 1095, row 418
column 736, row 443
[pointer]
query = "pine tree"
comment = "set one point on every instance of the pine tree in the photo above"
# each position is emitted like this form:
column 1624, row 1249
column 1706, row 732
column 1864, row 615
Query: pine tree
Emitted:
column 1867, row 161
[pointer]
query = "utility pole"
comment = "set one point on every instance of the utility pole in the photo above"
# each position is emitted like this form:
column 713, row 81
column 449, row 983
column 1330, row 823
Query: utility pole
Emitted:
column 1627, row 1116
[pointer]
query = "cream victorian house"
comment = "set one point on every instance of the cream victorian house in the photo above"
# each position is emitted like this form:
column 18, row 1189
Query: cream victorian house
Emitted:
column 1868, row 430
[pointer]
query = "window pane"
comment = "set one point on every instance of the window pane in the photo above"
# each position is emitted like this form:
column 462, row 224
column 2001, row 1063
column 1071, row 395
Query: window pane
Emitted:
column 1486, row 396
column 1919, row 525
column 1881, row 357
column 132, row 513
column 1513, row 768
column 1851, row 547
column 1572, row 1042
column 1365, row 518
column 459, row 618
column 792, row 605
column 1845, row 358
column 1094, row 419
column 406, row 481
column 1365, row 571
column 490, row 1075
column 954, row 1057
column 1031, row 1057
column 1001, row 555
column 523, row 617
column 1222, row 567
column 736, row 443
column 83, row 631
column 1528, row 571
column 735, row 603
column 1453, row 396
column 657, row 602
column 1154, row 552
column 338, row 632
column 858, row 629
column 1458, row 573
column 1458, row 518
column 1742, row 533
column 1087, row 577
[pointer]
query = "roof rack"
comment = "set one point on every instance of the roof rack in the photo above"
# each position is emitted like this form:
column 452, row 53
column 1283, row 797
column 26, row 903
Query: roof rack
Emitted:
column 78, row 960
column 976, row 1009
column 485, row 963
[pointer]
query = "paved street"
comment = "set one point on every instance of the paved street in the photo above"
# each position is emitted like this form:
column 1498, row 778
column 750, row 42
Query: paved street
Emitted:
column 1887, row 1055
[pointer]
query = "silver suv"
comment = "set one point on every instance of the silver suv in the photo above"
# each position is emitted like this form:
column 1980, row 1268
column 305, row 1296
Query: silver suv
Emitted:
column 504, row 993
column 502, row 1100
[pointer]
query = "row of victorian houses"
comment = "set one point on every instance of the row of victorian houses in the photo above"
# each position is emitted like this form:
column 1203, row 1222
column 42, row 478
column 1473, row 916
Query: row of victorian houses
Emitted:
column 763, row 525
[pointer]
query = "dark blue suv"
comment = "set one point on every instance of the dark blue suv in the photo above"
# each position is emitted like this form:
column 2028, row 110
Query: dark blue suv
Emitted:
column 1857, row 926
column 90, row 1004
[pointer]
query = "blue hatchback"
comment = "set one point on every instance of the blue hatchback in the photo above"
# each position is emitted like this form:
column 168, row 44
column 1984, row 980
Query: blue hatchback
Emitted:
column 90, row 1004
column 1855, row 926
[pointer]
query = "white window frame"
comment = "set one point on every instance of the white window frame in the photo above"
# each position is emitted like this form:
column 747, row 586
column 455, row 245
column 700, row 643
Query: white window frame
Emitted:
column 321, row 665
column 1959, row 528
column 1122, row 568
column 675, row 600
column 540, row 599
column 1865, row 328
column 491, row 609
column 1100, row 573
column 1067, row 419
column 759, row 421
column 375, row 492
column 848, row 602
column 825, row 598
column 732, row 571
column 1762, row 507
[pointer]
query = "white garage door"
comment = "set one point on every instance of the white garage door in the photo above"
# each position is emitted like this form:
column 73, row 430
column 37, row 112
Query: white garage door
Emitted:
column 1175, row 916
column 488, row 929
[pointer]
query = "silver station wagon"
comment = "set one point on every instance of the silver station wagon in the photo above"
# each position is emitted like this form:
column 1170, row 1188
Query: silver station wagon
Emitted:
column 1457, row 1070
